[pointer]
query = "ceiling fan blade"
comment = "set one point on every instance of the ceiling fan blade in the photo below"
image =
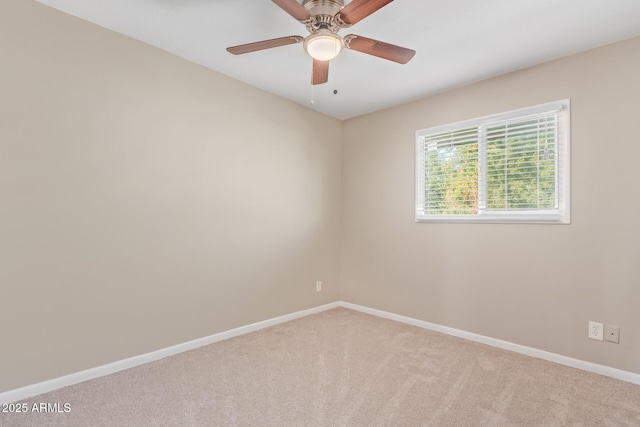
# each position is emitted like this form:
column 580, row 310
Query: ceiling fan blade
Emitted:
column 293, row 8
column 320, row 72
column 383, row 50
column 357, row 10
column 264, row 44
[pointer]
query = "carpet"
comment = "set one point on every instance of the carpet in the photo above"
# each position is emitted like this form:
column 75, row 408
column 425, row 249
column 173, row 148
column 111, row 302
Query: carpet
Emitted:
column 341, row 368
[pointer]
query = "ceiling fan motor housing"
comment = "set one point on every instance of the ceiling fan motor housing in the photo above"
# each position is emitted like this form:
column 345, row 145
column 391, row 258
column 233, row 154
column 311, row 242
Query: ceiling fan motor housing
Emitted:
column 324, row 15
column 323, row 7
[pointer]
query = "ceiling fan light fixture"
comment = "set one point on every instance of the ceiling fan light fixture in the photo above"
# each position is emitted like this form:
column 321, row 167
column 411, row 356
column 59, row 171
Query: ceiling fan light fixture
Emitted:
column 323, row 45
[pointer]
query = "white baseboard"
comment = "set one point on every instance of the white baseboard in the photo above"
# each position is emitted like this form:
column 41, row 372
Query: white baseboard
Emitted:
column 120, row 365
column 540, row 354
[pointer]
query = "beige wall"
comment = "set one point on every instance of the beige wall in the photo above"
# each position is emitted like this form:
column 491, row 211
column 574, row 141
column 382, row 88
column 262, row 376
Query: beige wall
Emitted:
column 146, row 201
column 536, row 285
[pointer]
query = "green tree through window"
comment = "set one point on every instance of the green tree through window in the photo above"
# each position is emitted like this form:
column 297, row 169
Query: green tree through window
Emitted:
column 521, row 165
column 451, row 167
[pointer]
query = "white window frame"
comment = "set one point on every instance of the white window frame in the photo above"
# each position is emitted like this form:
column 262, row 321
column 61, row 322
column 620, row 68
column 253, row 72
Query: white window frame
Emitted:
column 561, row 215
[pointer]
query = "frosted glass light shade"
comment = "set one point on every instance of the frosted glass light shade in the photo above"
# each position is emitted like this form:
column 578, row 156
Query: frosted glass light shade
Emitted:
column 323, row 45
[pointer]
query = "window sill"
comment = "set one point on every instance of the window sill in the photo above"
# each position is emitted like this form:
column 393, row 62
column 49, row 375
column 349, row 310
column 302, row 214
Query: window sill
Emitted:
column 498, row 219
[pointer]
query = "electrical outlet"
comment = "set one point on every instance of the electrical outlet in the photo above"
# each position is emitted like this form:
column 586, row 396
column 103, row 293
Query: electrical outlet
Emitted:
column 595, row 331
column 318, row 286
column 612, row 333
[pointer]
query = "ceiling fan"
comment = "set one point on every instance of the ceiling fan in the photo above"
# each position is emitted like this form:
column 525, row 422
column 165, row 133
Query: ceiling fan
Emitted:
column 324, row 19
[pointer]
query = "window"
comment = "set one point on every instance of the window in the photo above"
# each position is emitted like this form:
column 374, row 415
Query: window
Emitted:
column 510, row 167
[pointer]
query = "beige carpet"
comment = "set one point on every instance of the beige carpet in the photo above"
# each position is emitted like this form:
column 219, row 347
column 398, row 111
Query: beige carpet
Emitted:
column 344, row 368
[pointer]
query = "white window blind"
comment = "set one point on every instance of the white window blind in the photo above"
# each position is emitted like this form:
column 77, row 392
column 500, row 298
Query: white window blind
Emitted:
column 511, row 167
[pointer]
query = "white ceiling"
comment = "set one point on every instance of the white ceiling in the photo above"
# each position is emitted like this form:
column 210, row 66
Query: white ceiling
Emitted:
column 457, row 42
